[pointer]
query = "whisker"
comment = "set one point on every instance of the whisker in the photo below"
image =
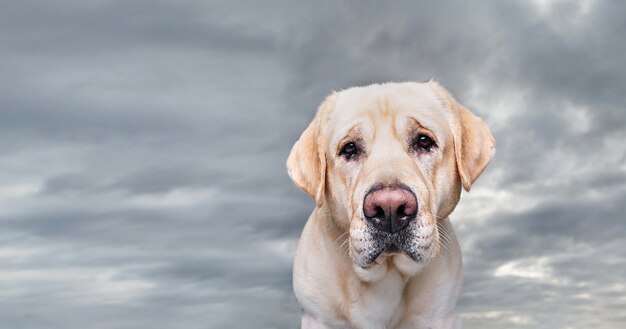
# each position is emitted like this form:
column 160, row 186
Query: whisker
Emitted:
column 447, row 245
column 342, row 235
column 347, row 249
column 344, row 248
column 444, row 241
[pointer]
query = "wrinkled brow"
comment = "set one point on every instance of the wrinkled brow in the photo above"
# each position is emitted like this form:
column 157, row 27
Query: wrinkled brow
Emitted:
column 423, row 125
column 353, row 134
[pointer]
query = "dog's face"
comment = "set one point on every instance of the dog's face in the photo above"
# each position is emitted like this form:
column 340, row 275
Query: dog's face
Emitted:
column 389, row 161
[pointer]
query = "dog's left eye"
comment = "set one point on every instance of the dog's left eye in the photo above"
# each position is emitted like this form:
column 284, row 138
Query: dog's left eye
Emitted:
column 423, row 143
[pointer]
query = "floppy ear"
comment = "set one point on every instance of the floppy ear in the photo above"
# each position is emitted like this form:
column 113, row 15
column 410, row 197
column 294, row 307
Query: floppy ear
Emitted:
column 306, row 164
column 474, row 145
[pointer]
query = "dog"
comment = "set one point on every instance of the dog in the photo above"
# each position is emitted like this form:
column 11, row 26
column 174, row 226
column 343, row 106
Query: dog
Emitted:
column 385, row 164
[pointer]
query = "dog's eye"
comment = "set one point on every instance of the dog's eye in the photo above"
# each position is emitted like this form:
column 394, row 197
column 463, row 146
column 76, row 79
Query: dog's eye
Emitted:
column 423, row 143
column 349, row 151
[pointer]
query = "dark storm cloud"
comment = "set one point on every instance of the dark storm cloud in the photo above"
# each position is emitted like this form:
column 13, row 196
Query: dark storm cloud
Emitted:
column 142, row 179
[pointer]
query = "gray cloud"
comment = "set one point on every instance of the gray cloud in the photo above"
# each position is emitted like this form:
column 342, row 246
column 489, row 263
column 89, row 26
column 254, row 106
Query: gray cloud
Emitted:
column 142, row 179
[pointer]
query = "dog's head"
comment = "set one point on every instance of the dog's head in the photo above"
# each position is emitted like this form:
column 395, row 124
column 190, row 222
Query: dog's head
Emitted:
column 389, row 161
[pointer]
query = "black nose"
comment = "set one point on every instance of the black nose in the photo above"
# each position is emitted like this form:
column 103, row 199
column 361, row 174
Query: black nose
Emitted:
column 390, row 209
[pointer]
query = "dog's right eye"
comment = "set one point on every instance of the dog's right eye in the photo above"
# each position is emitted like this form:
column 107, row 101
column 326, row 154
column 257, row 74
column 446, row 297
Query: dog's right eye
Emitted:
column 349, row 151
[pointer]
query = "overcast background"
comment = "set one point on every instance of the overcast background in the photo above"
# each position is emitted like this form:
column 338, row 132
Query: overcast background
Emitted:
column 142, row 150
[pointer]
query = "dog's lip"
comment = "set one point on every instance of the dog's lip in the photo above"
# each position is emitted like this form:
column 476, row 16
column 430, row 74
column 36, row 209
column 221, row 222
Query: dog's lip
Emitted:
column 392, row 249
column 389, row 250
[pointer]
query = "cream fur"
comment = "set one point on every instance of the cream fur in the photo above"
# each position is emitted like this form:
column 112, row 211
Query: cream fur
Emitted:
column 333, row 280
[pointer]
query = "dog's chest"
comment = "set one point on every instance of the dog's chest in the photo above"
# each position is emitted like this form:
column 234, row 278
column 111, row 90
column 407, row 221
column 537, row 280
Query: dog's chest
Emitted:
column 380, row 304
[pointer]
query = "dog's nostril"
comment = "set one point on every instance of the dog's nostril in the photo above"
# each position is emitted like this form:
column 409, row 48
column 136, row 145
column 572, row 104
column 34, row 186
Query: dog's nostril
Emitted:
column 400, row 211
column 410, row 209
column 380, row 213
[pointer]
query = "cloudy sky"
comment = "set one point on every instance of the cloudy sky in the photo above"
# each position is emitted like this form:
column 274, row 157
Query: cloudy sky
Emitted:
column 142, row 150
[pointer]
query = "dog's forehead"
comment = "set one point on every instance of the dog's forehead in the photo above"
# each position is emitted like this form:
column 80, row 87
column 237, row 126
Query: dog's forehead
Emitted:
column 390, row 101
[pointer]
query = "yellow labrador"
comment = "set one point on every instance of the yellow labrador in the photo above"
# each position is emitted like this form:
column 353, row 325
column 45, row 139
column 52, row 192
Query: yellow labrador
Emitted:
column 385, row 164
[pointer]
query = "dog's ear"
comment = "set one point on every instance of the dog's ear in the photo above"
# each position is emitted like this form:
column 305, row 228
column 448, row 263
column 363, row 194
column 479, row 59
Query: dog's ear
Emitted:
column 306, row 164
column 474, row 146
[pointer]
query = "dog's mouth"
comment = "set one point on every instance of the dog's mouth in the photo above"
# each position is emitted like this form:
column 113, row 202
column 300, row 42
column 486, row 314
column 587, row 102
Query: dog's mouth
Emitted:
column 370, row 256
column 416, row 246
column 392, row 249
